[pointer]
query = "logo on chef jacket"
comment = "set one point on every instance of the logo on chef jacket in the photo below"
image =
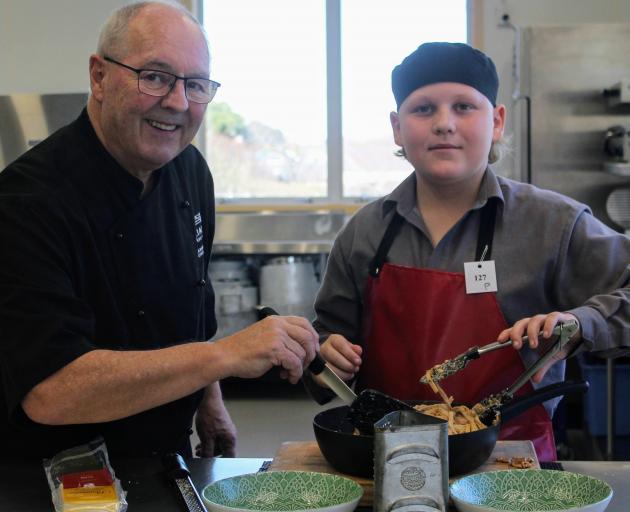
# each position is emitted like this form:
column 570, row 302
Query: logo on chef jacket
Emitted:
column 199, row 234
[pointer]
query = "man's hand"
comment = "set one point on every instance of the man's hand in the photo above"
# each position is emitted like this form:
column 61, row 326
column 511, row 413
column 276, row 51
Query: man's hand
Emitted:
column 342, row 356
column 531, row 327
column 289, row 342
column 216, row 431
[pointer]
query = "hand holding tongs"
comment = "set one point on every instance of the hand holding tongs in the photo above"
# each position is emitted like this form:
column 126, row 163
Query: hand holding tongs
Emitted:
column 565, row 331
column 488, row 407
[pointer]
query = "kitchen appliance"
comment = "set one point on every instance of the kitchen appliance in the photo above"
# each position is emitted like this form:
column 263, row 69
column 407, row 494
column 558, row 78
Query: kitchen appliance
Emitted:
column 236, row 296
column 178, row 472
column 572, row 122
column 410, row 462
column 570, row 119
column 27, row 119
column 618, row 207
column 617, row 150
column 288, row 284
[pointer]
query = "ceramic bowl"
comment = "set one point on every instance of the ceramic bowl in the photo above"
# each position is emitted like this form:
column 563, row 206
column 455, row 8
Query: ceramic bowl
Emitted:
column 530, row 489
column 283, row 491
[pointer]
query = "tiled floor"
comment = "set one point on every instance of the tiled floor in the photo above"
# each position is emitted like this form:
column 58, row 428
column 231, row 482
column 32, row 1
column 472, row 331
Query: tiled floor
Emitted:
column 268, row 414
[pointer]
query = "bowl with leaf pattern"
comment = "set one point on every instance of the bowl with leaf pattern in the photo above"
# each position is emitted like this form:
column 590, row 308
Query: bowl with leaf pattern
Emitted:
column 283, row 491
column 537, row 490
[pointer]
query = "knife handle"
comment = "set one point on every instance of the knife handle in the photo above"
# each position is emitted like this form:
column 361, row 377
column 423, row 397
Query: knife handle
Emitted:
column 265, row 311
column 175, row 465
column 318, row 364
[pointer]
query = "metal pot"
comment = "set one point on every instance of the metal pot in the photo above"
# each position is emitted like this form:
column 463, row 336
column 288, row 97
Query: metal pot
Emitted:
column 354, row 454
column 289, row 285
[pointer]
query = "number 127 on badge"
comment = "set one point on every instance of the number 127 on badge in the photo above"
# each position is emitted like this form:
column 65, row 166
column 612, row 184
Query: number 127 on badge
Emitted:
column 480, row 277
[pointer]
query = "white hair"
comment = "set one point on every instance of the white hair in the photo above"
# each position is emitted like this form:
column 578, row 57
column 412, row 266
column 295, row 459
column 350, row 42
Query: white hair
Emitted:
column 113, row 39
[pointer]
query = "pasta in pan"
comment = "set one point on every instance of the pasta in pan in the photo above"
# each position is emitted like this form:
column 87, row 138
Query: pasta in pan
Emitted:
column 461, row 419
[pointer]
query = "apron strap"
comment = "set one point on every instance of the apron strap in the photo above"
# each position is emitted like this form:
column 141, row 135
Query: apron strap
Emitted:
column 485, row 235
column 388, row 239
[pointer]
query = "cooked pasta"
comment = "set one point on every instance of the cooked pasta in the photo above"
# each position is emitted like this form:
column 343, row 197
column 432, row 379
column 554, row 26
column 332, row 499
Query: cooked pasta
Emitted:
column 448, row 400
column 461, row 419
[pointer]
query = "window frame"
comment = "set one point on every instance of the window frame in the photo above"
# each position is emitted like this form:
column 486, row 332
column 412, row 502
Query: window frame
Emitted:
column 334, row 117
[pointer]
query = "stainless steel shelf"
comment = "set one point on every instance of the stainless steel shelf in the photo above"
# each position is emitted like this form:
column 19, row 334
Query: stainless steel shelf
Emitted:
column 276, row 233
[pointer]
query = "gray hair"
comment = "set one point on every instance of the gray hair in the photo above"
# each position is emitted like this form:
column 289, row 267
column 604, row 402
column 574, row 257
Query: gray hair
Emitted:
column 113, row 38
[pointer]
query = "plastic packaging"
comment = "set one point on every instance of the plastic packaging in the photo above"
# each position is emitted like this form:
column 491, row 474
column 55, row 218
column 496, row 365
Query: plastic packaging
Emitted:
column 81, row 479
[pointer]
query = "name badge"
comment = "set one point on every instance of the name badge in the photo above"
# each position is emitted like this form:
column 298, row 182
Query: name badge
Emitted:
column 481, row 277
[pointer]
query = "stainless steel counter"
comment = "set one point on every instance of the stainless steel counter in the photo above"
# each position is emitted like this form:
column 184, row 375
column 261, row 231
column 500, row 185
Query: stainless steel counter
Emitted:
column 616, row 473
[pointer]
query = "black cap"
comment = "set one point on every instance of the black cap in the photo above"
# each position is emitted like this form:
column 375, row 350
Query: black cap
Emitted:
column 431, row 63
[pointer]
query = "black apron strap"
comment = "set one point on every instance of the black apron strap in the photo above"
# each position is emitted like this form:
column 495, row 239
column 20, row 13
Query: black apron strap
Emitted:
column 388, row 239
column 486, row 230
column 485, row 237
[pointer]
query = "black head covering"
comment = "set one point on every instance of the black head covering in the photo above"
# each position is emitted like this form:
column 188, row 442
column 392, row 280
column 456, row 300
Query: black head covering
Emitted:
column 431, row 63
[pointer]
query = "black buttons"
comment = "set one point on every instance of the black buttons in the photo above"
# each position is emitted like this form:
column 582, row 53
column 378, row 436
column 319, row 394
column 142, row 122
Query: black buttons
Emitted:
column 185, row 204
column 120, row 236
column 140, row 313
column 201, row 282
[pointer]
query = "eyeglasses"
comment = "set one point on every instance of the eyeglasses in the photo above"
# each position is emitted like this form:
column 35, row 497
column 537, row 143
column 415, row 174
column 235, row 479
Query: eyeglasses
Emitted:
column 159, row 83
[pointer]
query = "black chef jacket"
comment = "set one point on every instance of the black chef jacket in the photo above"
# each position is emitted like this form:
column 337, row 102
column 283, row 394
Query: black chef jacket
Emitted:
column 85, row 264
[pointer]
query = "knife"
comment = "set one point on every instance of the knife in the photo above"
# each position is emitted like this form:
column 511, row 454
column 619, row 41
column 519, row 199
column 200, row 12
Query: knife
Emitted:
column 178, row 471
column 319, row 367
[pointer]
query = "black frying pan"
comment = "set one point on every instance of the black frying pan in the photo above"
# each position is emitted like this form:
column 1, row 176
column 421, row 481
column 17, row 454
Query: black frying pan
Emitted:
column 354, row 454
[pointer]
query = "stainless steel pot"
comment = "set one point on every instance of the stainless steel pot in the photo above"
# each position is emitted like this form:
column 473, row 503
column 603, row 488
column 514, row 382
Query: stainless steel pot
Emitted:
column 289, row 286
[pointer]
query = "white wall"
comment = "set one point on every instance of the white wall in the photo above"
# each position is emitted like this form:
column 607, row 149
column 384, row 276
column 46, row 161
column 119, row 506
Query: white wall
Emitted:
column 45, row 44
column 498, row 41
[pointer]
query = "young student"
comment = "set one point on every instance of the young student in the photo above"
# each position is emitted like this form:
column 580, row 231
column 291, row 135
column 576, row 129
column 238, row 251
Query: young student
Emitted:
column 394, row 301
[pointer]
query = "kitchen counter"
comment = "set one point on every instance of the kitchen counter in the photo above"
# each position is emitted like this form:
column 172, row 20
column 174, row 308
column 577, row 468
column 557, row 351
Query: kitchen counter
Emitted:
column 23, row 486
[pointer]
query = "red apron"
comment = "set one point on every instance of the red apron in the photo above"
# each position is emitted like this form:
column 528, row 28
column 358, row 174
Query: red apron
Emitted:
column 416, row 318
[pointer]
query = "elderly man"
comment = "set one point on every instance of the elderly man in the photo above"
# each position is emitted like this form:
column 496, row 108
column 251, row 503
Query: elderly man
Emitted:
column 107, row 230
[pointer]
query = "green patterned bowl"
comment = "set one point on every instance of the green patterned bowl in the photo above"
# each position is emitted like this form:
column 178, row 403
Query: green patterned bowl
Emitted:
column 283, row 491
column 530, row 489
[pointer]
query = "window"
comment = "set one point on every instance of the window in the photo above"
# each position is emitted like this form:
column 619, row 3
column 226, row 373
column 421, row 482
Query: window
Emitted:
column 375, row 36
column 266, row 130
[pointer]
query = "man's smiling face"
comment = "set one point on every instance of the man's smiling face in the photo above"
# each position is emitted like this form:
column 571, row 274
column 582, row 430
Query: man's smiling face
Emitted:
column 144, row 132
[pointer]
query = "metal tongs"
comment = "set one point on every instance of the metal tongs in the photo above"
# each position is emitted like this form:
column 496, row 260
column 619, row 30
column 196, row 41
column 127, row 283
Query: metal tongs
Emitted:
column 490, row 405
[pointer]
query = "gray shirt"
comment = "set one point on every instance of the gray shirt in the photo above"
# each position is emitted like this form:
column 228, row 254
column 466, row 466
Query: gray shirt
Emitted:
column 550, row 253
